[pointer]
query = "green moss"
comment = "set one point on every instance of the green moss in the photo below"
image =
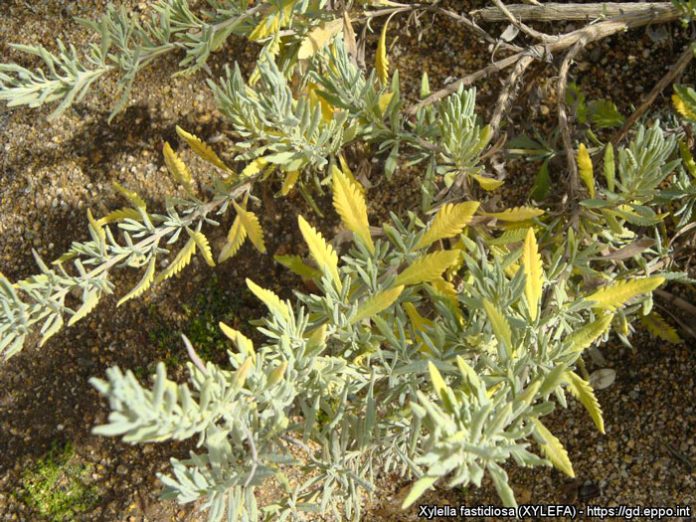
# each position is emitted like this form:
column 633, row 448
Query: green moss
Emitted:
column 57, row 487
column 202, row 316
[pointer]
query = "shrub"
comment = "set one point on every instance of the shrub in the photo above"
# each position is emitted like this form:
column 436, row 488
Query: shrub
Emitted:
column 431, row 347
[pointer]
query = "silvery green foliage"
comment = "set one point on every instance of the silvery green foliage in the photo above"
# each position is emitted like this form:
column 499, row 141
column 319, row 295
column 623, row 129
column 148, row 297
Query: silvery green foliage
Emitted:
column 72, row 286
column 126, row 45
column 273, row 124
column 358, row 396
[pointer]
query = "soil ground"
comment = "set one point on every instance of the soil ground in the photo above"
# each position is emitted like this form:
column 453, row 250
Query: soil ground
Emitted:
column 51, row 172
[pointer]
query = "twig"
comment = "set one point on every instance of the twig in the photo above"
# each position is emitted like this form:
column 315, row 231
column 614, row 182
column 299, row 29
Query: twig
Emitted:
column 543, row 37
column 551, row 12
column 677, row 301
column 674, row 71
column 473, row 26
column 563, row 117
column 589, row 33
column 508, row 93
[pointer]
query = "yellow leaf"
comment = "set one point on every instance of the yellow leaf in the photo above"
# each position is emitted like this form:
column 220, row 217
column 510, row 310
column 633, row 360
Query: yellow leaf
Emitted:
column 254, row 167
column 377, row 303
column 318, row 37
column 533, row 271
column 270, row 299
column 120, row 215
column 585, row 169
column 289, row 182
column 242, row 373
column 449, row 221
column 381, row 59
column 615, row 295
column 202, row 149
column 658, row 327
column 243, row 343
column 500, row 325
column 97, row 226
column 419, row 323
column 515, row 214
column 131, row 196
column 427, row 268
column 553, row 449
column 177, row 168
column 419, row 487
column 585, row 336
column 251, row 224
column 277, row 374
column 203, row 246
column 297, row 266
column 90, row 302
column 182, row 259
column 327, row 110
column 324, row 255
column 437, row 380
column 349, row 174
column 143, row 285
column 350, row 205
column 582, row 391
column 235, row 239
column 682, row 108
column 487, row 183
column 384, row 101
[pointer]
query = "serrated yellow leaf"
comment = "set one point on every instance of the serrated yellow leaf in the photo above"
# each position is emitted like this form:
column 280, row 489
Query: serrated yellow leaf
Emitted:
column 585, row 169
column 243, row 343
column 419, row 323
column 487, row 184
column 177, row 168
column 381, row 59
column 446, row 290
column 349, row 174
column 235, row 239
column 658, row 327
column 615, row 295
column 143, row 284
column 202, row 149
column 131, row 196
column 318, row 37
column 377, row 303
column 91, row 301
column 449, row 221
column 203, row 246
column 582, row 391
column 254, row 167
column 297, row 266
column 289, row 182
column 427, row 268
column 515, row 214
column 324, row 255
column 585, row 336
column 682, row 108
column 534, row 274
column 182, row 259
column 350, row 205
column 553, row 449
column 270, row 299
column 120, row 215
column 251, row 225
column 500, row 325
